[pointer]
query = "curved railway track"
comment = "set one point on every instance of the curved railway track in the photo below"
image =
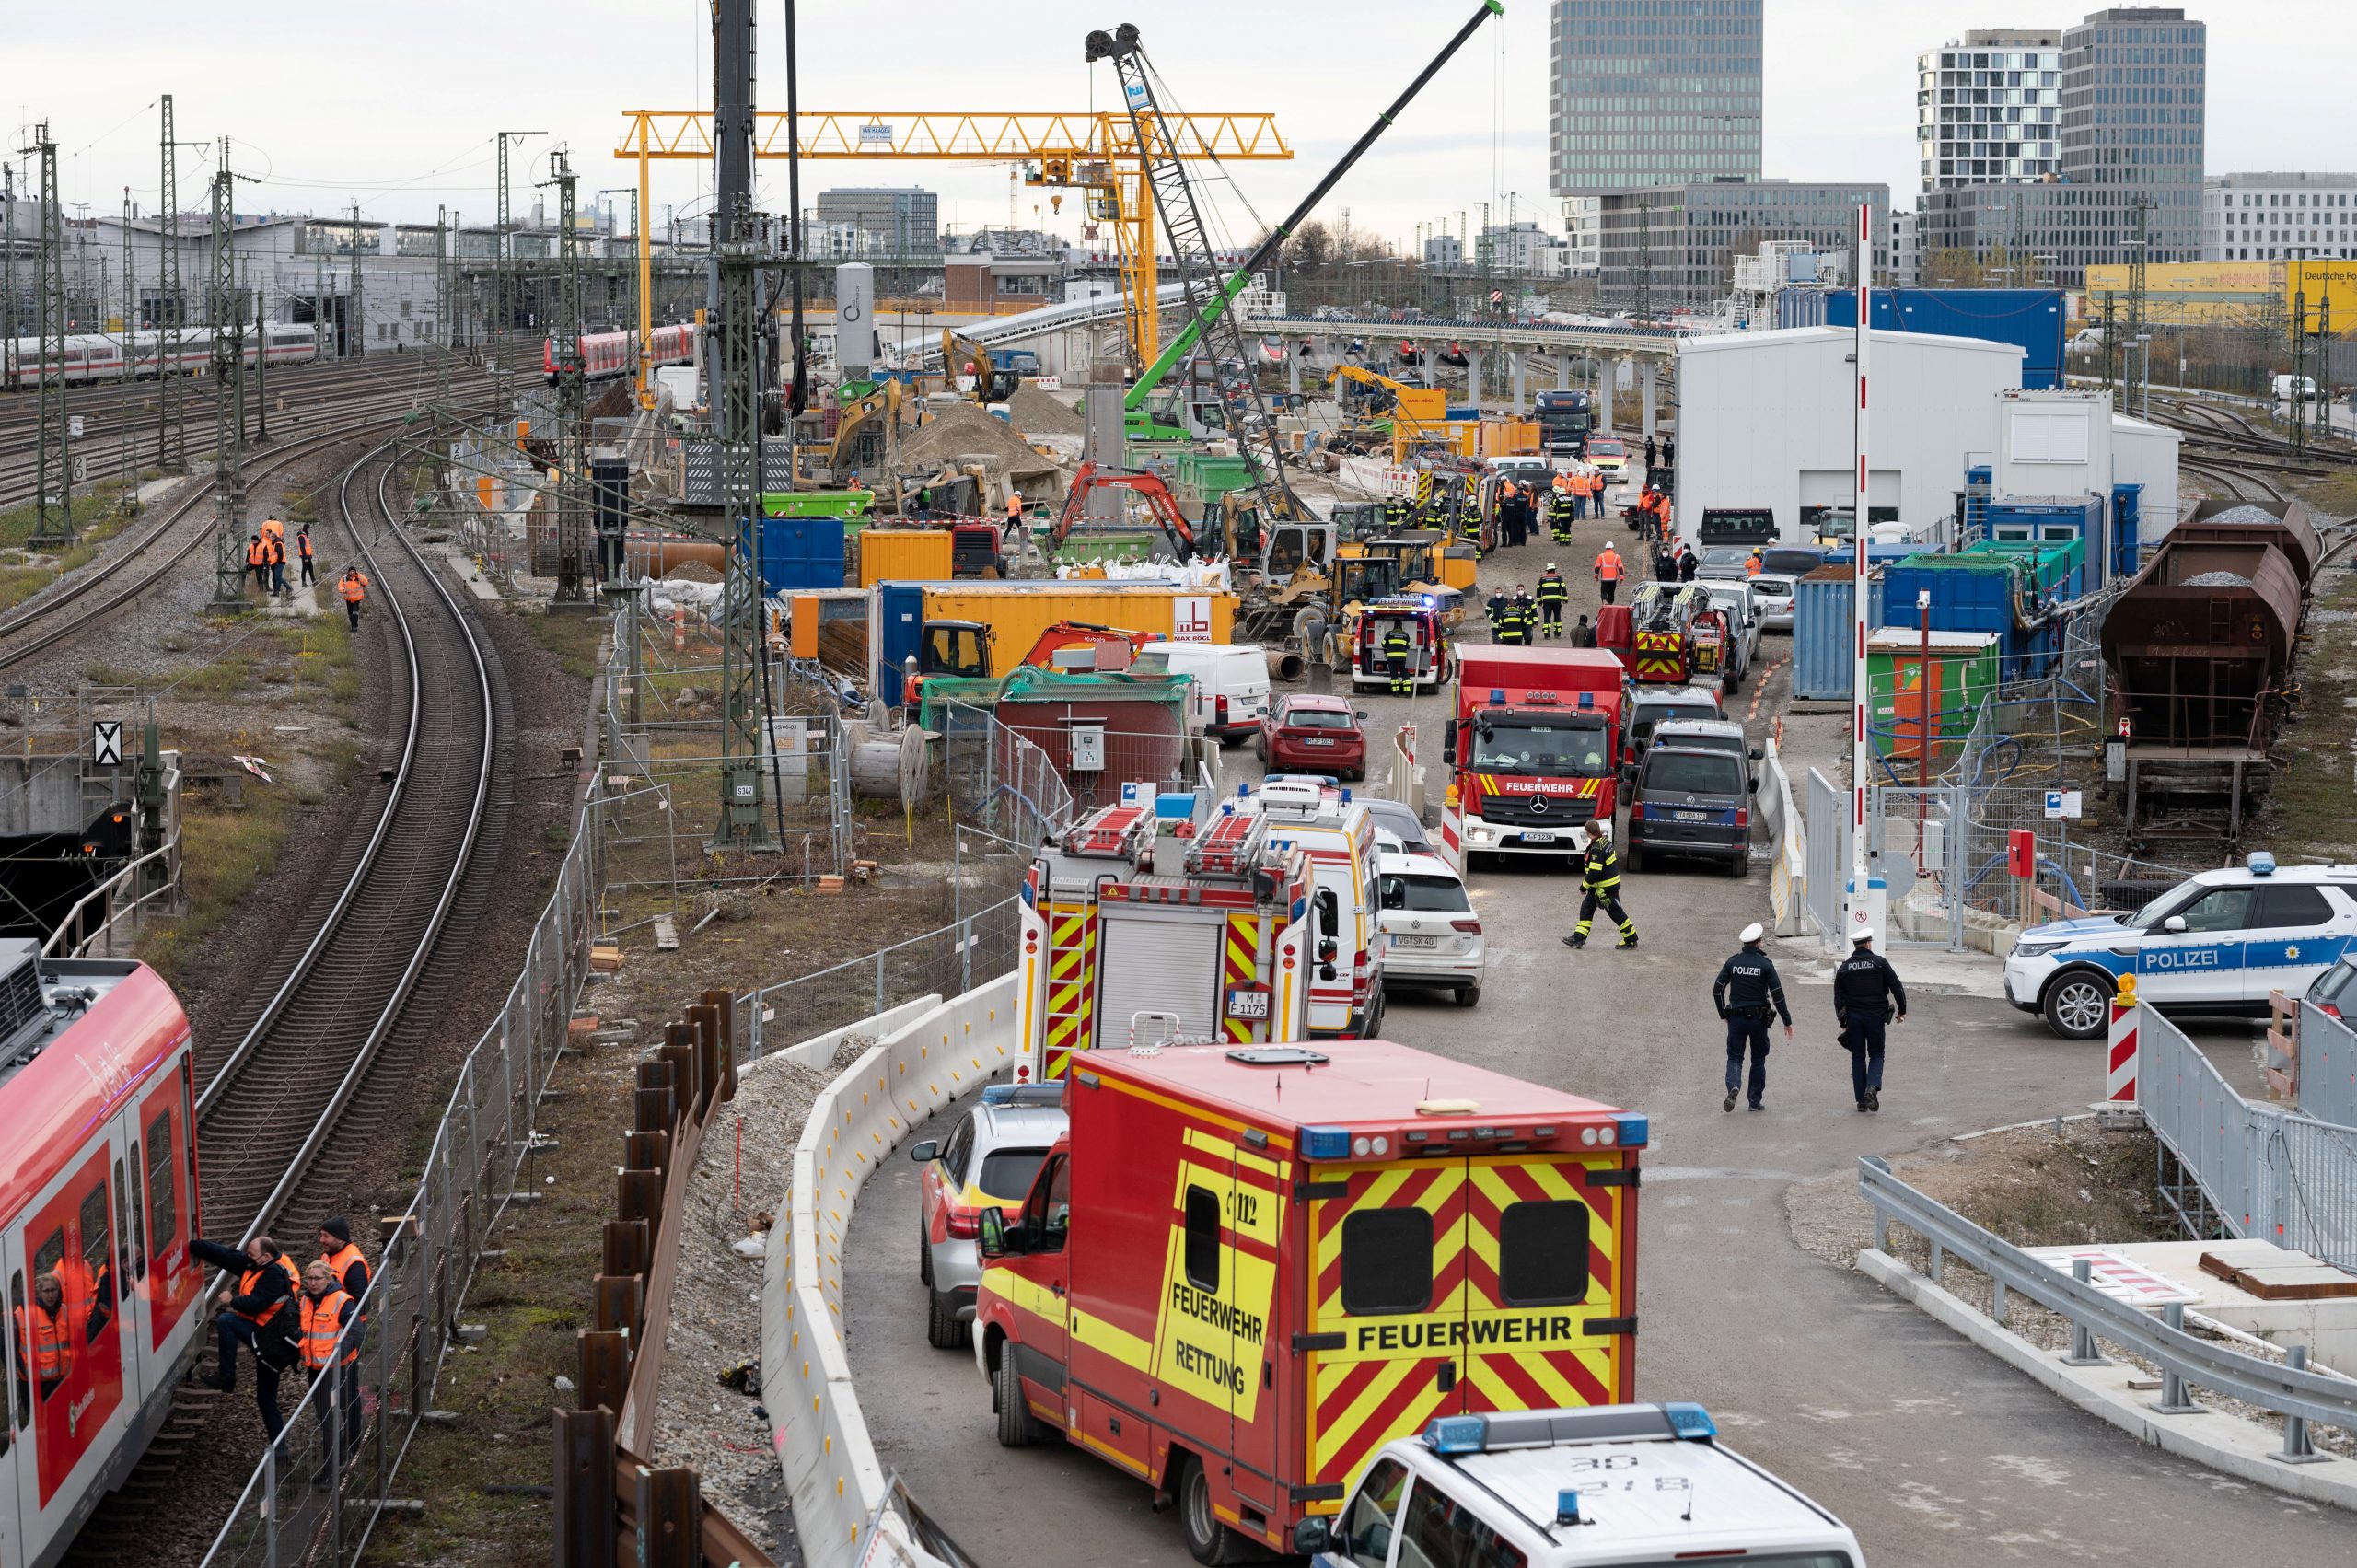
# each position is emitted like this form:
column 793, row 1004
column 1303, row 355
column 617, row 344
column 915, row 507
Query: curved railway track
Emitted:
column 299, row 1094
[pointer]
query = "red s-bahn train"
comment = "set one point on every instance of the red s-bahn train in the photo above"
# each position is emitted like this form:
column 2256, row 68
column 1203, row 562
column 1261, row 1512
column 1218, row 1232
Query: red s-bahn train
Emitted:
column 98, row 1194
column 610, row 354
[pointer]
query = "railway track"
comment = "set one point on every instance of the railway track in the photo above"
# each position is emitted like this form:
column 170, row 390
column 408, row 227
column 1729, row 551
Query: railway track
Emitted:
column 293, row 1114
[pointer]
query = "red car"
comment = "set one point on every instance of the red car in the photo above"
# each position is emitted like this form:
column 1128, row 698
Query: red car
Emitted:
column 1305, row 733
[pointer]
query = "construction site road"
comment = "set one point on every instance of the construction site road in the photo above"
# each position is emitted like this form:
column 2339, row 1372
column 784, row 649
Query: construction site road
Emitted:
column 1937, row 1455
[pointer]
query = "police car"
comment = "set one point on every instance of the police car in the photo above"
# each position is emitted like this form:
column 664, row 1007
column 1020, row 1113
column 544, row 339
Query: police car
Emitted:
column 2216, row 943
column 1637, row 1484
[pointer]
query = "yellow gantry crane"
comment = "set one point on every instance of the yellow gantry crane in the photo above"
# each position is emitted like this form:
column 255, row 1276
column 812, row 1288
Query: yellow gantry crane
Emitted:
column 1099, row 154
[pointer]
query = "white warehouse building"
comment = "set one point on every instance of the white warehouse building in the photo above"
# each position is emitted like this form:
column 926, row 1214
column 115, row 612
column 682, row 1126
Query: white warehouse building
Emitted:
column 1764, row 419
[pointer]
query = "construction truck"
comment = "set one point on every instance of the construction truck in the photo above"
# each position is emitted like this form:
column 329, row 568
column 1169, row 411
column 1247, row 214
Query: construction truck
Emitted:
column 1242, row 1270
column 1533, row 751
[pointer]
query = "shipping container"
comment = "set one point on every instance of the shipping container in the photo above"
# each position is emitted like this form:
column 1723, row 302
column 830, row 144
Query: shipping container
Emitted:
column 1822, row 635
column 2052, row 519
column 2030, row 319
column 2126, row 556
column 801, row 552
column 1963, row 674
column 1206, row 476
column 2056, row 567
column 1982, row 592
column 1016, row 612
column 902, row 555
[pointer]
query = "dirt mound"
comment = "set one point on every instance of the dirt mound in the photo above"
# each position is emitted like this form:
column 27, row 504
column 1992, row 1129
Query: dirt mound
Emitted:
column 691, row 572
column 962, row 431
column 1044, row 413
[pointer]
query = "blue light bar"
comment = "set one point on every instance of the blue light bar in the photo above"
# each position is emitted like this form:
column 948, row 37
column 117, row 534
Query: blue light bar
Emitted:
column 1325, row 1143
column 1635, row 1128
column 1587, row 699
column 1346, row 796
column 1567, row 1506
column 2261, row 864
column 1497, row 696
column 1458, row 1434
column 1690, row 1420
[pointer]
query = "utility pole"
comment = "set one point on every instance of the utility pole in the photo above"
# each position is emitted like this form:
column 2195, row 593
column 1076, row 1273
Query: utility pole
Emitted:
column 1862, row 909
column 262, row 366
column 736, row 403
column 444, row 300
column 2110, row 335
column 130, row 289
column 8, row 324
column 571, row 434
column 503, row 302
column 358, row 340
column 228, row 398
column 1644, row 306
column 2135, row 379
column 170, row 440
column 53, row 489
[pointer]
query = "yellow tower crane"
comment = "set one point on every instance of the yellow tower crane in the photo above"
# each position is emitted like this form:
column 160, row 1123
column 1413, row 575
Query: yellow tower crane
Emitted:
column 1099, row 154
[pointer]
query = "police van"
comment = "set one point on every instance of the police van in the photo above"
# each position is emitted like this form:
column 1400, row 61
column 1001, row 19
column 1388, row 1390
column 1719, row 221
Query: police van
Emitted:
column 2216, row 943
column 1635, row 1484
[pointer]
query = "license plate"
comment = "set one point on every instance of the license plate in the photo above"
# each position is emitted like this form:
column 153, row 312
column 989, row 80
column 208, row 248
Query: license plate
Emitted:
column 1693, row 816
column 1538, row 836
column 1318, row 743
column 1415, row 941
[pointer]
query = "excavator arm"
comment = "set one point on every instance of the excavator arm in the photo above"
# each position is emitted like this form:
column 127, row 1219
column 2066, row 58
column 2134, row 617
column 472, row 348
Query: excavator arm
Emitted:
column 1148, row 487
column 962, row 355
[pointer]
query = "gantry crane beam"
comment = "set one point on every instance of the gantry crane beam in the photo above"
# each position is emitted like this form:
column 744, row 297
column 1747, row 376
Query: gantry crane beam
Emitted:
column 1098, row 152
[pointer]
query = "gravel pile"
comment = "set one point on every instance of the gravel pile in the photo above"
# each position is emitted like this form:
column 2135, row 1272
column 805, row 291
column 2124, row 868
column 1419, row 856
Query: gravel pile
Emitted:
column 962, row 431
column 1044, row 413
column 2216, row 580
column 715, row 1326
column 2243, row 514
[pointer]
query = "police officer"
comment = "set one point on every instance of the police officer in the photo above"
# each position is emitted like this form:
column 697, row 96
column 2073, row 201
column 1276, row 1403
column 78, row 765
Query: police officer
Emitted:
column 1746, row 994
column 1867, row 992
column 1397, row 647
column 1652, row 453
column 1554, row 594
column 1600, row 884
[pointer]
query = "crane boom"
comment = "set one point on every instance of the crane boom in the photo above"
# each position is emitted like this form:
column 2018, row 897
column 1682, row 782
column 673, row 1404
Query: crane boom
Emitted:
column 1224, row 299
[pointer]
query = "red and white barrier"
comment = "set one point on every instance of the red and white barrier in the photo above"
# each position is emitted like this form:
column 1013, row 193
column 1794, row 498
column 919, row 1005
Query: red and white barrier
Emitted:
column 2119, row 1075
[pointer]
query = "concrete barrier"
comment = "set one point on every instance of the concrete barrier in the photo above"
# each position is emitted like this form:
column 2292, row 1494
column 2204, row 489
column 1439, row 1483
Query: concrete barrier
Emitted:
column 1788, row 838
column 927, row 1055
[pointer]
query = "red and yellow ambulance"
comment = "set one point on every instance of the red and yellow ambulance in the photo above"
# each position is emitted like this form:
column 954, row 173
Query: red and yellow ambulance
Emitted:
column 1245, row 1268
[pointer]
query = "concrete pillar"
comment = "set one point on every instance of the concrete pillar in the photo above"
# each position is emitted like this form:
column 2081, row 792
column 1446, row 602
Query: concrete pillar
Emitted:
column 1292, row 370
column 1604, row 397
column 1514, row 358
column 1473, row 379
column 1563, row 370
column 1648, row 372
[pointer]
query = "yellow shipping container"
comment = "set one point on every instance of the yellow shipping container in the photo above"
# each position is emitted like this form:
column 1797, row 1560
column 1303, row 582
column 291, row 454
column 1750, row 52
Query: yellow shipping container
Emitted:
column 2319, row 281
column 1017, row 613
column 904, row 555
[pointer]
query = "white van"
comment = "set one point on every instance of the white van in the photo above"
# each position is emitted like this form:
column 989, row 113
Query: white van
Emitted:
column 1231, row 687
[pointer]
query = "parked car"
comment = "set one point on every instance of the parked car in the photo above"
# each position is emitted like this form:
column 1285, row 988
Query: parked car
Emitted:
column 2335, row 990
column 987, row 1161
column 1649, row 706
column 1709, row 735
column 1610, row 453
column 1231, row 683
column 1792, row 559
column 1771, row 595
column 1307, row 732
column 1398, row 829
column 1432, row 938
column 1721, row 561
column 1691, row 800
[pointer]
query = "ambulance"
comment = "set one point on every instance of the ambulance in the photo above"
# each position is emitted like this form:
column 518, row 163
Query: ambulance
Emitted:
column 1244, row 1270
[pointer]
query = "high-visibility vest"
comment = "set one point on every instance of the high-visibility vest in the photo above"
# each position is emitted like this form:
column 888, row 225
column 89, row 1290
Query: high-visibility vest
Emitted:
column 1608, row 567
column 1751, row 567
column 351, row 588
column 274, row 553
column 342, row 1262
column 49, row 1343
column 256, row 555
column 303, row 545
column 271, row 529
column 322, row 1321
column 252, row 1277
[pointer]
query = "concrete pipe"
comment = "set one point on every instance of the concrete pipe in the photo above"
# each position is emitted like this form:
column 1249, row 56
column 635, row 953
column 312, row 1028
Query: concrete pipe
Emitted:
column 1284, row 663
column 656, row 557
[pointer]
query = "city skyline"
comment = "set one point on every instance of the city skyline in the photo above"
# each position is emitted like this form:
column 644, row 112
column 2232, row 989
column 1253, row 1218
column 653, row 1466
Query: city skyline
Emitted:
column 1838, row 102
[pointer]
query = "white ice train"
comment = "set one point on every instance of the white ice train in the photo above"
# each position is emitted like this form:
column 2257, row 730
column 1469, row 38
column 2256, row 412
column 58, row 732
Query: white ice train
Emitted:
column 139, row 356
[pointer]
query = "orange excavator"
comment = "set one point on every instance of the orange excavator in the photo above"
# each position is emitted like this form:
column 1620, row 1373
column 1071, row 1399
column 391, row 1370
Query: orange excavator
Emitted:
column 1149, row 488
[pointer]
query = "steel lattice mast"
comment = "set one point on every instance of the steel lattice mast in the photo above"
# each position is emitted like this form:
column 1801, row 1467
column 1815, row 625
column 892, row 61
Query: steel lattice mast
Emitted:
column 571, row 417
column 737, row 405
column 228, row 398
column 53, row 489
column 171, row 444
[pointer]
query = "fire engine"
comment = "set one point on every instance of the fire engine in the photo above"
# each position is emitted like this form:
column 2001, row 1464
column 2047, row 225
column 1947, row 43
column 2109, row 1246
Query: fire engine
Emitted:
column 1534, row 751
column 1672, row 635
column 1243, row 1270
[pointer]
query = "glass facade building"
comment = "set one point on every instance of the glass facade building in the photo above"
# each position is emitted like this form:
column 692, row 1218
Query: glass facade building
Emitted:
column 1673, row 246
column 1653, row 92
column 1989, row 108
column 905, row 220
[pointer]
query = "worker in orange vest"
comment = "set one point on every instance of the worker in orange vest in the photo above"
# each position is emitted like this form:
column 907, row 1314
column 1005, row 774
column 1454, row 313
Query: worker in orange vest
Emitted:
column 258, row 561
column 1608, row 570
column 1751, row 565
column 302, row 552
column 334, row 1371
column 258, row 1314
column 45, row 1335
column 353, row 588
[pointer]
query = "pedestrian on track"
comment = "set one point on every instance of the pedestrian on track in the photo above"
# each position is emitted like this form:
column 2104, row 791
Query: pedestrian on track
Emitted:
column 260, row 1314
column 1748, row 994
column 1867, row 996
column 354, row 588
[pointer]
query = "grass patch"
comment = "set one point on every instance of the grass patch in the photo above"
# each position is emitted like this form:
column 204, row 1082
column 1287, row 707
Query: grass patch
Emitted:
column 573, row 639
column 92, row 505
column 98, row 521
column 2307, row 812
column 2336, row 492
column 223, row 851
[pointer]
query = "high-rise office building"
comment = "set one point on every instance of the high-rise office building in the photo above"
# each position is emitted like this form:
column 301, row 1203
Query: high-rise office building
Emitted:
column 1672, row 246
column 2278, row 217
column 2128, row 173
column 1653, row 92
column 905, row 220
column 1988, row 107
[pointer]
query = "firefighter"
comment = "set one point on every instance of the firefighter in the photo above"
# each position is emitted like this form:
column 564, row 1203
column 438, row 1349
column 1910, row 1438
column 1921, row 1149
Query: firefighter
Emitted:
column 1525, row 610
column 258, row 561
column 1748, row 994
column 1395, row 511
column 1866, row 997
column 333, row 1367
column 354, row 588
column 1600, row 884
column 1558, row 513
column 258, row 1314
column 303, row 554
column 1497, row 606
column 1554, row 594
column 1397, row 648
column 1607, row 572
column 45, row 1336
column 1511, row 630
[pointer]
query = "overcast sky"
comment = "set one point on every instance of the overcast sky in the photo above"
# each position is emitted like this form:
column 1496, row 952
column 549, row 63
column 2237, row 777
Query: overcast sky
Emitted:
column 396, row 106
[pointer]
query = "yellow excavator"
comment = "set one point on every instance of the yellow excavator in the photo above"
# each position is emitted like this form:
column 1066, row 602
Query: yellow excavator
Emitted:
column 865, row 430
column 1417, row 415
column 961, row 355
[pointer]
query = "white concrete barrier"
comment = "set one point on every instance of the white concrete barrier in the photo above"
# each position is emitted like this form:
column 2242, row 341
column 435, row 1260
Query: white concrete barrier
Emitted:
column 927, row 1056
column 1788, row 838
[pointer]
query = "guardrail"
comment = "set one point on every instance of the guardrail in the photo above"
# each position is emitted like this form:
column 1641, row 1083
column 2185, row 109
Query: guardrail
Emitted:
column 930, row 1052
column 2255, row 1170
column 2287, row 1388
column 74, row 936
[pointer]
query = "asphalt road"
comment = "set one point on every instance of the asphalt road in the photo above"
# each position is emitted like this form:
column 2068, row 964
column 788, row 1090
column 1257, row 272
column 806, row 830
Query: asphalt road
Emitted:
column 1933, row 1452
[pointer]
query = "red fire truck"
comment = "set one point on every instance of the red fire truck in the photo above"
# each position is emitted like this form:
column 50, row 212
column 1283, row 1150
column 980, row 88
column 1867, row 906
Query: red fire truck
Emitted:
column 1533, row 751
column 1116, row 954
column 1242, row 1271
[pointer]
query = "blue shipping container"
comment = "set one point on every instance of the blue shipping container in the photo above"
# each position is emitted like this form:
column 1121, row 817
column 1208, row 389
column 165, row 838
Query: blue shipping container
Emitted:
column 2127, row 529
column 901, row 626
column 1822, row 638
column 2028, row 318
column 1970, row 598
column 801, row 552
column 2051, row 520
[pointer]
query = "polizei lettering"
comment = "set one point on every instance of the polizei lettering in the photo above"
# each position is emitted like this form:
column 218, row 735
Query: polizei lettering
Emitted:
column 1452, row 1334
column 1207, row 1309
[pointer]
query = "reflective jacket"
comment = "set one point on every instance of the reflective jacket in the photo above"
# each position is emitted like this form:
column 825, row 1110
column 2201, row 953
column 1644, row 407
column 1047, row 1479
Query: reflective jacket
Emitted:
column 48, row 1346
column 1552, row 589
column 257, row 554
column 303, row 544
column 350, row 1268
column 352, row 589
column 1608, row 567
column 322, row 1322
column 1397, row 643
column 1601, row 869
column 254, row 1288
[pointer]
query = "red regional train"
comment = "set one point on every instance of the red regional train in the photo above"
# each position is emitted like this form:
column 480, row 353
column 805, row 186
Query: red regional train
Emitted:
column 98, row 1192
column 609, row 353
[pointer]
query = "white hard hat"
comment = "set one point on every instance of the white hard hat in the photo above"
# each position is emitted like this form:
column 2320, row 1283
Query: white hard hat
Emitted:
column 1864, row 934
column 1751, row 934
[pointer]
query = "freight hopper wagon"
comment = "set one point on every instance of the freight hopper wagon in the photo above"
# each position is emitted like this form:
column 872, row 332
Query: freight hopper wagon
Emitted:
column 1117, row 955
column 2200, row 648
